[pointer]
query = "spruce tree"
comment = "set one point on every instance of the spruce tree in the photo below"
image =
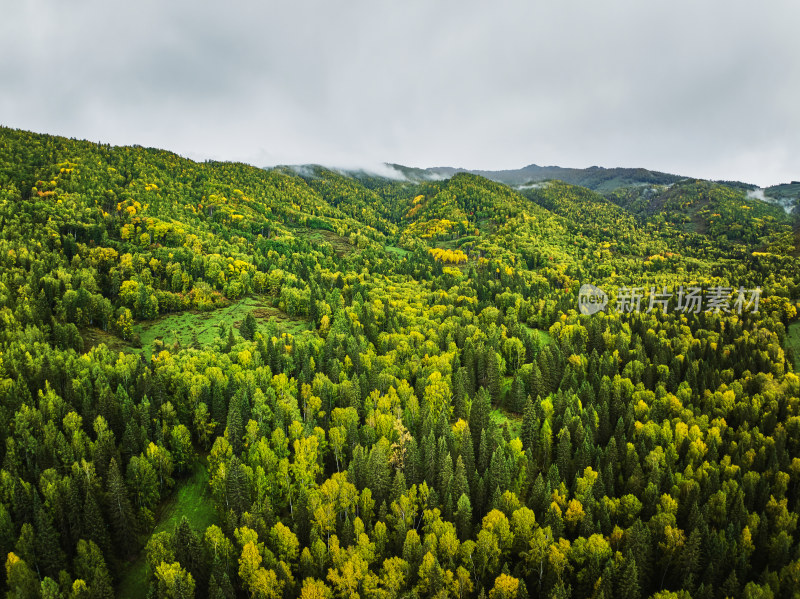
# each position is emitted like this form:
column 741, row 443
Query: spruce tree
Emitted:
column 235, row 428
column 494, row 380
column 460, row 482
column 123, row 521
column 530, row 427
column 468, row 457
column 189, row 552
column 236, row 487
column 628, row 586
column 463, row 518
column 479, row 416
column 564, row 454
column 248, row 327
column 517, row 396
column 430, row 459
column 460, row 393
column 484, row 454
column 94, row 528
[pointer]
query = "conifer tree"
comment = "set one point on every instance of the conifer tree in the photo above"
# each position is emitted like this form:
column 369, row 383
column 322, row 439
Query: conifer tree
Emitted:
column 248, row 327
column 494, row 380
column 123, row 521
column 189, row 551
column 463, row 517
column 628, row 586
column 479, row 416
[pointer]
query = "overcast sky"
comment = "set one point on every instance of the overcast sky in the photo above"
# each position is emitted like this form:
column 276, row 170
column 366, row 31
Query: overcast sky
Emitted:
column 708, row 89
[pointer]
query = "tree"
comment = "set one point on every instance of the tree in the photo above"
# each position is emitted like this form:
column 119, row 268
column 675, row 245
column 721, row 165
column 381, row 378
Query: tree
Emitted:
column 479, row 416
column 487, row 554
column 181, row 447
column 463, row 517
column 248, row 327
column 315, row 589
column 125, row 324
column 505, row 587
column 285, row 543
column 142, row 480
column 21, row 580
column 493, row 376
column 120, row 512
column 90, row 566
column 173, row 582
column 431, row 576
column 189, row 552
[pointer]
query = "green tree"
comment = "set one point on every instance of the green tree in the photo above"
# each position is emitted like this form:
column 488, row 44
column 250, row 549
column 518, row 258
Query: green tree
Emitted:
column 248, row 327
column 120, row 512
column 173, row 582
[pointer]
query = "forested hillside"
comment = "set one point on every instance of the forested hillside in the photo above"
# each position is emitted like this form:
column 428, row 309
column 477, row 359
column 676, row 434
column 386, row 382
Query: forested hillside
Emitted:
column 224, row 381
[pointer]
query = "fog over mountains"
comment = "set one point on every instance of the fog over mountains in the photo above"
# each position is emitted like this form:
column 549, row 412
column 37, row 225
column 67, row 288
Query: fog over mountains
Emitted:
column 596, row 178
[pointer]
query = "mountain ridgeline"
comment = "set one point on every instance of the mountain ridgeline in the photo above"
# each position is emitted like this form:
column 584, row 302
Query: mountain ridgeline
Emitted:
column 224, row 381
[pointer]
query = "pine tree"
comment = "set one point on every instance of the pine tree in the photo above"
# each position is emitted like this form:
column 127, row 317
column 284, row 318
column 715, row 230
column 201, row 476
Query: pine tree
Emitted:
column 479, row 504
column 399, row 487
column 560, row 590
column 484, row 454
column 460, row 393
column 641, row 546
column 538, row 495
column 235, row 429
column 731, row 587
column 535, row 384
column 236, row 487
column 628, row 586
column 93, row 525
column 494, row 379
column 90, row 566
column 248, row 327
column 120, row 512
column 429, row 459
column 468, row 457
column 463, row 518
column 379, row 472
column 460, row 484
column 530, row 427
column 413, row 463
column 498, row 472
column 479, row 416
column 49, row 555
column 517, row 396
column 444, row 469
column 189, row 551
column 222, row 589
column 564, row 454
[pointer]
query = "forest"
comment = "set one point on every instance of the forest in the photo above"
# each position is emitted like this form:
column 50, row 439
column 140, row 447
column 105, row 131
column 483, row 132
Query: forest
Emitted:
column 224, row 381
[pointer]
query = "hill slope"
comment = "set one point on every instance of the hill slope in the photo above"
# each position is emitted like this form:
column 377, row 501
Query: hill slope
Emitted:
column 217, row 380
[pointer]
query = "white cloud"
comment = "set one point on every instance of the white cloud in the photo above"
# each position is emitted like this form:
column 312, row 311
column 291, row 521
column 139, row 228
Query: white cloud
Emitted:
column 703, row 89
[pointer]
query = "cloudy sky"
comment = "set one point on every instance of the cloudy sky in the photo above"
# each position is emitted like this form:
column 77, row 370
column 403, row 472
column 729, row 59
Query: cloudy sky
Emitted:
column 708, row 89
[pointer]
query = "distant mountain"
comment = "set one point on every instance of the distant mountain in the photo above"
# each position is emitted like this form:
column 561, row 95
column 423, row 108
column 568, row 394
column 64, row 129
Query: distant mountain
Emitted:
column 595, row 178
column 786, row 195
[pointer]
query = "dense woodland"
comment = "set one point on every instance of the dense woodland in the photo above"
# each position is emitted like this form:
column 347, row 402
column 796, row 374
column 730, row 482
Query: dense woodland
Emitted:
column 439, row 420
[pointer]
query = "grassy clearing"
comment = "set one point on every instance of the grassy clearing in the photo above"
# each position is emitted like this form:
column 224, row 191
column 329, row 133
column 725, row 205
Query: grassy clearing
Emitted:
column 793, row 341
column 92, row 337
column 201, row 329
column 393, row 249
column 544, row 336
column 509, row 420
column 191, row 499
column 341, row 245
